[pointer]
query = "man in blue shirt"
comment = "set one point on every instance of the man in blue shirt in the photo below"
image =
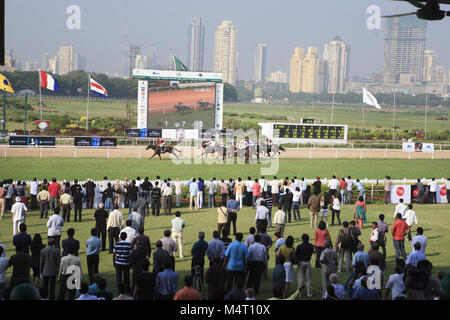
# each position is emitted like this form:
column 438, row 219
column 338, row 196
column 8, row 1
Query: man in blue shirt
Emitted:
column 364, row 293
column 198, row 254
column 166, row 283
column 93, row 246
column 257, row 258
column 215, row 248
column 201, row 189
column 360, row 187
column 236, row 256
column 232, row 208
column 362, row 256
column 416, row 255
column 193, row 192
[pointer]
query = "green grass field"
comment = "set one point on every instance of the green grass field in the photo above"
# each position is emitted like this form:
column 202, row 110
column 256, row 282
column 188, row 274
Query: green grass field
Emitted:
column 432, row 218
column 83, row 168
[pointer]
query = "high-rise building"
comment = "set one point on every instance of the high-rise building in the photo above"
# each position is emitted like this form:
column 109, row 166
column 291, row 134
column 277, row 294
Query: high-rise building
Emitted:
column 66, row 60
column 53, row 65
column 432, row 71
column 337, row 55
column 133, row 52
column 225, row 52
column 141, row 62
column 404, row 50
column 295, row 71
column 31, row 65
column 196, row 45
column 260, row 62
column 313, row 72
column 278, row 77
column 45, row 61
column 151, row 61
column 81, row 62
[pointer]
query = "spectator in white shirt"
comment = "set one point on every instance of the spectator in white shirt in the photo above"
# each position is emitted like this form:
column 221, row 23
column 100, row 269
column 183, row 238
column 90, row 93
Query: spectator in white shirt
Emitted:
column 296, row 195
column 400, row 208
column 33, row 193
column 421, row 239
column 274, row 189
column 349, row 189
column 410, row 217
column 131, row 233
column 18, row 210
column 433, row 190
column 249, row 197
column 178, row 184
column 333, row 185
column 279, row 220
column 54, row 224
column 395, row 285
column 303, row 187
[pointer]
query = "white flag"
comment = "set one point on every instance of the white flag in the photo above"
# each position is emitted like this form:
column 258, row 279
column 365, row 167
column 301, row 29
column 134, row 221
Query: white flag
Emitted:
column 369, row 99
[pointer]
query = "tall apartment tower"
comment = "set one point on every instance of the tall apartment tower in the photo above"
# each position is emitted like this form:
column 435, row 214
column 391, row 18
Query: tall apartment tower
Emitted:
column 46, row 61
column 225, row 51
column 313, row 72
column 260, row 62
column 337, row 56
column 404, row 50
column 66, row 60
column 196, row 45
column 295, row 71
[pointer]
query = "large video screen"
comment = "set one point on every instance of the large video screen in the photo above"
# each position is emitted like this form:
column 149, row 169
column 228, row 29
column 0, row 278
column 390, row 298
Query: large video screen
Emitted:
column 181, row 108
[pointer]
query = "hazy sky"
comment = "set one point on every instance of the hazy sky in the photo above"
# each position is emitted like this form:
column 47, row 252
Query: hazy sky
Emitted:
column 35, row 27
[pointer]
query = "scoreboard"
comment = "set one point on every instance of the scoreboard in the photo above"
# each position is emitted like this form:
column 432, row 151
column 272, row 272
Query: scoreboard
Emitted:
column 305, row 133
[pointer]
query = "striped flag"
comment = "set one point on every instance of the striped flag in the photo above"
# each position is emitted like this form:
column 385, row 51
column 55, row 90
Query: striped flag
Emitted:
column 47, row 81
column 97, row 88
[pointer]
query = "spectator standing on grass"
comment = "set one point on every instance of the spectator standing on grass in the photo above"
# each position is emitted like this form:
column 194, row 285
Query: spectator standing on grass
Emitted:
column 328, row 260
column 117, row 192
column 236, row 256
column 66, row 205
column 223, row 191
column 115, row 222
column 274, row 189
column 269, row 203
column 54, row 225
column 131, row 233
column 198, row 253
column 256, row 189
column 433, row 190
column 257, row 258
column 344, row 247
column 383, row 230
column 108, row 197
column 314, row 208
column 155, row 195
column 349, row 189
column 387, row 190
column 93, row 246
column 364, row 293
column 279, row 220
column 167, row 199
column 70, row 242
column 2, row 201
column 362, row 256
column 65, row 271
column 170, row 246
column 216, row 278
column 339, row 289
column 415, row 256
column 49, row 266
column 395, row 285
column 136, row 259
column 304, row 252
column 90, row 193
column 333, row 185
column 324, row 202
column 232, row 212
column 178, row 225
column 336, row 208
column 193, row 193
column 78, row 199
column 36, row 247
column 100, row 217
column 222, row 218
column 321, row 235
column 286, row 202
column 212, row 189
column 43, row 198
column 187, row 293
column 317, row 186
column 145, row 283
column 359, row 212
column 342, row 187
column 132, row 196
column 296, row 195
column 249, row 186
column 400, row 208
column 361, row 189
column 216, row 248
column 137, row 219
column 410, row 218
column 55, row 192
column 239, row 191
column 122, row 251
column 166, row 283
column 420, row 238
column 261, row 217
column 22, row 239
column 19, row 211
column 399, row 229
column 286, row 250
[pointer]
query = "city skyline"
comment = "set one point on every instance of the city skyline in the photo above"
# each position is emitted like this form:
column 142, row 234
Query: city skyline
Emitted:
column 273, row 25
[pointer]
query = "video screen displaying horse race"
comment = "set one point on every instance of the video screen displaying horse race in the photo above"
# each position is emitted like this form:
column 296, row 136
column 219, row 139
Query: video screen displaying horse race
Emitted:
column 176, row 108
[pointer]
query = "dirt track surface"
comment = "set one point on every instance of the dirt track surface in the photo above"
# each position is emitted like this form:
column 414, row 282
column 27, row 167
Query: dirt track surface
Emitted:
column 140, row 152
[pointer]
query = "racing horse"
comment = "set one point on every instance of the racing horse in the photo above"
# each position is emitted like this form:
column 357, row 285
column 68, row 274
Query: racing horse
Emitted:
column 158, row 151
column 264, row 148
column 181, row 108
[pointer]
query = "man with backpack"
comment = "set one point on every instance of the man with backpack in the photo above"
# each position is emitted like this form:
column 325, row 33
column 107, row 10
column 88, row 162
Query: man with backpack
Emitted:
column 344, row 246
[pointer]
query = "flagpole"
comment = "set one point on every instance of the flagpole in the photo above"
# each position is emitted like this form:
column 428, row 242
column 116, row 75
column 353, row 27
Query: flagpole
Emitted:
column 87, row 107
column 426, row 110
column 363, row 114
column 332, row 108
column 40, row 93
column 393, row 120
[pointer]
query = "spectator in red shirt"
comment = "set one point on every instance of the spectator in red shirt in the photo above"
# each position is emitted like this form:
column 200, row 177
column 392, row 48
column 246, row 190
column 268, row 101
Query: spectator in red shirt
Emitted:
column 320, row 237
column 399, row 229
column 55, row 191
column 256, row 192
column 187, row 293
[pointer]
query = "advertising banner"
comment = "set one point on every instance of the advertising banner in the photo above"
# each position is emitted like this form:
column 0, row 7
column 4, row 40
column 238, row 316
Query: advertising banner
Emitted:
column 142, row 104
column 32, row 141
column 401, row 192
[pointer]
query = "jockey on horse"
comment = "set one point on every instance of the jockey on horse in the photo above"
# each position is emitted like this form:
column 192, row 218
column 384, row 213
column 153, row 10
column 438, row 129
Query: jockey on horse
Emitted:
column 160, row 143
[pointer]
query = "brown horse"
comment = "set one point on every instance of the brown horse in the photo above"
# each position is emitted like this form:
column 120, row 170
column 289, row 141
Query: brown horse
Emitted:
column 158, row 151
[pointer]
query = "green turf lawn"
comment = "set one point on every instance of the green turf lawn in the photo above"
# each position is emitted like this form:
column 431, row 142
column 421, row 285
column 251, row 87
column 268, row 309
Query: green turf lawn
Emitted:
column 83, row 168
column 433, row 218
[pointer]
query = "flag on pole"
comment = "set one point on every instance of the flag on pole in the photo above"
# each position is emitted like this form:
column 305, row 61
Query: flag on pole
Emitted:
column 369, row 99
column 47, row 81
column 5, row 85
column 97, row 88
column 179, row 66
